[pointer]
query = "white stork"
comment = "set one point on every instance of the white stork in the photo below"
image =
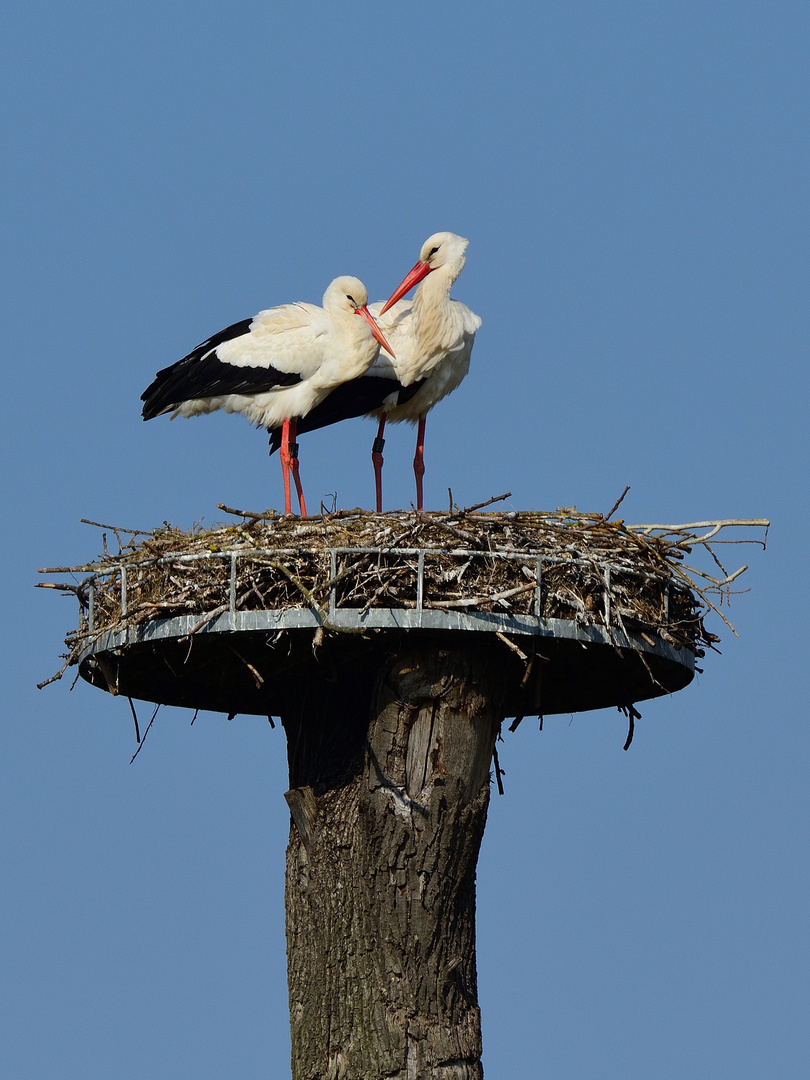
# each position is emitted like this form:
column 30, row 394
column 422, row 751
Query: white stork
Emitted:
column 275, row 368
column 433, row 337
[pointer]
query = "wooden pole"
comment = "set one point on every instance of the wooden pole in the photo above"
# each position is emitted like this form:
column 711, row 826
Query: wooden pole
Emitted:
column 389, row 794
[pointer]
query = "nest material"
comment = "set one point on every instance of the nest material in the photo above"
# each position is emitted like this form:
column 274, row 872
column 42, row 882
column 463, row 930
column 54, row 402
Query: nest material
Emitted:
column 591, row 570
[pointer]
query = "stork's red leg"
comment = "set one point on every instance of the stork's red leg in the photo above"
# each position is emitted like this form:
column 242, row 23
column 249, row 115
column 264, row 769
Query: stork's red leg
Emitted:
column 284, row 454
column 377, row 458
column 419, row 460
column 294, row 466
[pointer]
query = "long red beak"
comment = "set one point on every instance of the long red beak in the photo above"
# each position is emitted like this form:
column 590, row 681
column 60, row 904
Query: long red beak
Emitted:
column 376, row 331
column 414, row 277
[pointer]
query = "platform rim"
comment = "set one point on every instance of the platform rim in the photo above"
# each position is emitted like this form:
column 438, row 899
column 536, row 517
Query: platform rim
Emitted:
column 357, row 620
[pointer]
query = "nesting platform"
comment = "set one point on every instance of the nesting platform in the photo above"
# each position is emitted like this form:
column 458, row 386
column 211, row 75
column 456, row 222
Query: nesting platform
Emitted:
column 581, row 613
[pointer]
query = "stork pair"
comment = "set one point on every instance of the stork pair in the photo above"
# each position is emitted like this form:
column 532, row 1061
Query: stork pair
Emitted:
column 299, row 367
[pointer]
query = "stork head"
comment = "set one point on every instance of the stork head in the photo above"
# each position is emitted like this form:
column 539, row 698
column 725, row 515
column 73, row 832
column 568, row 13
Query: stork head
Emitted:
column 345, row 294
column 443, row 250
column 349, row 294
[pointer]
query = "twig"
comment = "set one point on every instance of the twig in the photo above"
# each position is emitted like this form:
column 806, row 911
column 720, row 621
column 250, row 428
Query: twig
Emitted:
column 116, row 528
column 135, row 718
column 459, row 534
column 266, row 515
column 524, row 682
column 489, row 502
column 301, row 587
column 691, row 585
column 715, row 526
column 716, row 581
column 148, row 726
column 339, row 576
column 475, row 601
column 512, row 646
column 616, row 505
column 58, row 675
column 257, row 678
column 498, row 771
column 61, row 587
column 207, row 619
column 632, row 714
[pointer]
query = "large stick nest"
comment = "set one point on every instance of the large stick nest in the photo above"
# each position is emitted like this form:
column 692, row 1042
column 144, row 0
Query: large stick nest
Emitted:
column 593, row 570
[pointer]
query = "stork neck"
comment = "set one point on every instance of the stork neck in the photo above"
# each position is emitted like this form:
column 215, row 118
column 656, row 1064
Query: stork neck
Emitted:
column 434, row 320
column 433, row 293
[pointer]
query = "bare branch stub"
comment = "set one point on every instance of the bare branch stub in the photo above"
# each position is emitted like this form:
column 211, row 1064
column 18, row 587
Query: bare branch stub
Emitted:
column 617, row 504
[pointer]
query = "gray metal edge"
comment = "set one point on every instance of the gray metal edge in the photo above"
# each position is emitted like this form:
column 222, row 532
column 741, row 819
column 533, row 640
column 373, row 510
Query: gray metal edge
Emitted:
column 355, row 619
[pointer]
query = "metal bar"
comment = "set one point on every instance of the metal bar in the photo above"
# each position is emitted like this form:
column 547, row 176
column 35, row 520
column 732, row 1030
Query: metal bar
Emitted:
column 232, row 591
column 538, row 591
column 123, row 592
column 91, row 605
column 607, row 596
column 332, row 576
column 420, row 580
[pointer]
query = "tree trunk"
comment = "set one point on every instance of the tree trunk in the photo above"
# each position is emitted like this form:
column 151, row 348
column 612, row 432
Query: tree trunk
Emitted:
column 389, row 796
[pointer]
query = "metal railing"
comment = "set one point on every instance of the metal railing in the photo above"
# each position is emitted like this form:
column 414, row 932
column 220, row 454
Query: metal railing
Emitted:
column 532, row 560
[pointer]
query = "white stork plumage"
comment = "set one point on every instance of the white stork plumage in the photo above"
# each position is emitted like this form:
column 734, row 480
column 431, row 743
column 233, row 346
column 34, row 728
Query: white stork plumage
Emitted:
column 432, row 336
column 275, row 368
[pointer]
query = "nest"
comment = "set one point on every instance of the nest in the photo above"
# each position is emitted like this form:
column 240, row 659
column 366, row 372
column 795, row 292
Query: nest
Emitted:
column 557, row 565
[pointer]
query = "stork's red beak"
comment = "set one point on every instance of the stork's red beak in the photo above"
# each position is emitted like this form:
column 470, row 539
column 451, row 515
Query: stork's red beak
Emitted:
column 376, row 331
column 422, row 269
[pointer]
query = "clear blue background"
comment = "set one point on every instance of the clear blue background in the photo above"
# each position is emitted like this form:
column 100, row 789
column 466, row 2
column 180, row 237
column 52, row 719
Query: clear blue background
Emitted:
column 633, row 178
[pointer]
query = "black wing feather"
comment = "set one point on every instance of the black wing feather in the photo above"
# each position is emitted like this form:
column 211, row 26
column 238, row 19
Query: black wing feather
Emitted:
column 354, row 398
column 202, row 374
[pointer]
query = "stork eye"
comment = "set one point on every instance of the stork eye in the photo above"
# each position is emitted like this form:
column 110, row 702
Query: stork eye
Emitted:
column 352, row 299
column 432, row 253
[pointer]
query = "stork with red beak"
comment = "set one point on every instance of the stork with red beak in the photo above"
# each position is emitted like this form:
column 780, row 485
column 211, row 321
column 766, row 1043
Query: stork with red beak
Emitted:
column 275, row 368
column 433, row 337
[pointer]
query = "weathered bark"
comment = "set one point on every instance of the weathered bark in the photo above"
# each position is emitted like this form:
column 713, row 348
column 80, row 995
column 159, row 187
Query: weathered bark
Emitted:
column 389, row 796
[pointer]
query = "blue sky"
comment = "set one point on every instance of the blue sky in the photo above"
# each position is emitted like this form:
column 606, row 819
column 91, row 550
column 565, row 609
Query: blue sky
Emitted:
column 633, row 178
